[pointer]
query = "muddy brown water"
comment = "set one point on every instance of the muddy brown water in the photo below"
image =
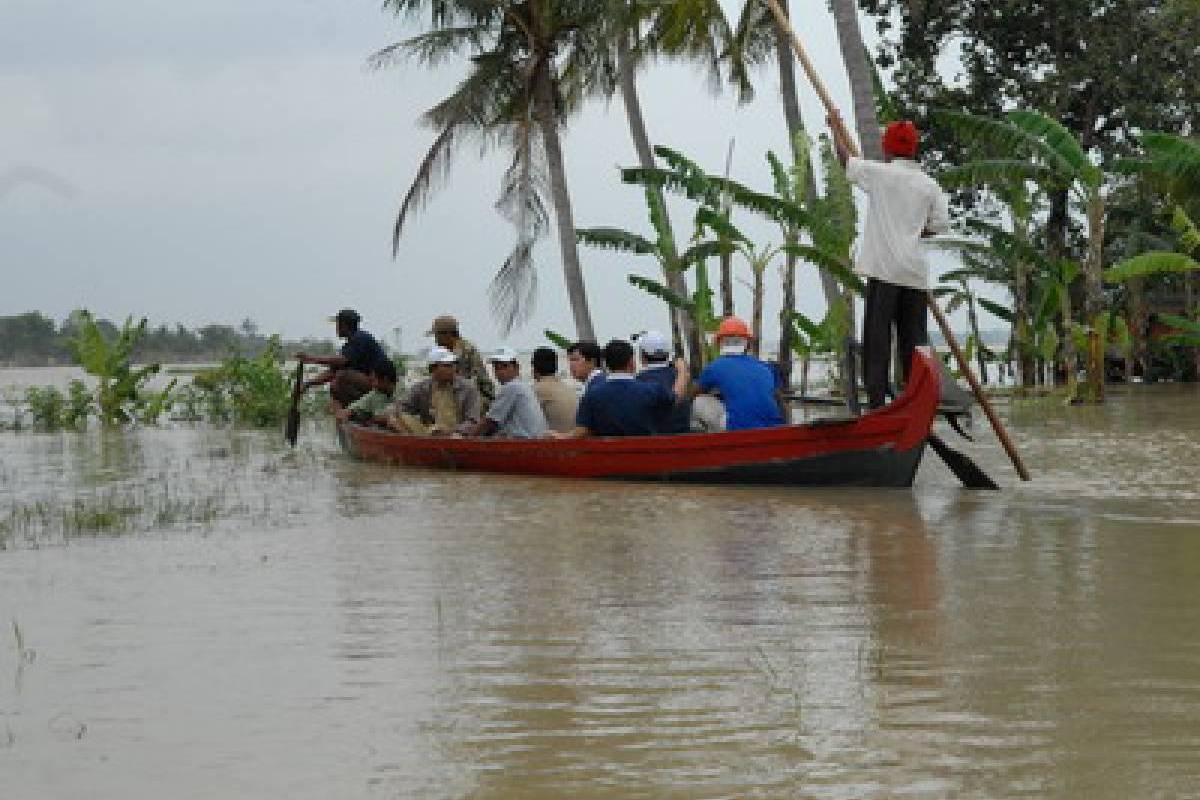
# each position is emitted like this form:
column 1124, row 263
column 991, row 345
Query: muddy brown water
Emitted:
column 195, row 613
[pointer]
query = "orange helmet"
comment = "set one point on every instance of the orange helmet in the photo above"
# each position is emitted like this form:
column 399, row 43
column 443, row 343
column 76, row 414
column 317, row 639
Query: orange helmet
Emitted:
column 733, row 326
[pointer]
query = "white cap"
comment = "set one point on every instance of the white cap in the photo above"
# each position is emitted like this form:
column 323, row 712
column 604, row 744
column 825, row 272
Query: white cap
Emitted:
column 504, row 354
column 440, row 355
column 653, row 343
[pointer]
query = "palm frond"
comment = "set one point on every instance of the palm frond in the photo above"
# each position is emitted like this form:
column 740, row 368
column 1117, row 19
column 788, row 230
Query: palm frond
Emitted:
column 557, row 339
column 828, row 262
column 1005, row 137
column 701, row 251
column 616, row 239
column 996, row 310
column 431, row 48
column 1157, row 263
column 695, row 30
column 513, row 290
column 995, row 172
column 1060, row 141
column 708, row 219
column 660, row 291
column 433, row 168
column 512, row 293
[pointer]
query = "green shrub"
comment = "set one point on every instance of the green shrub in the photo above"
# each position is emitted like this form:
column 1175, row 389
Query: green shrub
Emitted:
column 47, row 405
column 255, row 392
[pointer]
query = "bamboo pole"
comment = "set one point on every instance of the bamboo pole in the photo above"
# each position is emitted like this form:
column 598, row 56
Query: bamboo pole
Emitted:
column 840, row 131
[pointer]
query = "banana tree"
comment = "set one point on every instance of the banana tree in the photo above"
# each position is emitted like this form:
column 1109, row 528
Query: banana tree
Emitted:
column 662, row 248
column 121, row 392
column 1031, row 147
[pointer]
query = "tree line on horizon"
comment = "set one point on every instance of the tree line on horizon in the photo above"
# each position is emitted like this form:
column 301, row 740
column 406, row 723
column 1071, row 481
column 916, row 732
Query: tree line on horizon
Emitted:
column 33, row 339
column 1064, row 131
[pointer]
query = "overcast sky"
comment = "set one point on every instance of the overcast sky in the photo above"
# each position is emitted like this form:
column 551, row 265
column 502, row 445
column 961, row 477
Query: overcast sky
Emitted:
column 214, row 161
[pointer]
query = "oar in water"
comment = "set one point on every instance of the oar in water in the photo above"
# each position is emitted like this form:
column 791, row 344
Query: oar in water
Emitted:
column 963, row 467
column 291, row 428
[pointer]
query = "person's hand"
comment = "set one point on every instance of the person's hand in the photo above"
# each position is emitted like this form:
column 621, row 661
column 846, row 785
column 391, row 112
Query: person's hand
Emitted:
column 680, row 365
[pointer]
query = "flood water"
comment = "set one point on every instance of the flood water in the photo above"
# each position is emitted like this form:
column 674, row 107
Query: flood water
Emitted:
column 197, row 613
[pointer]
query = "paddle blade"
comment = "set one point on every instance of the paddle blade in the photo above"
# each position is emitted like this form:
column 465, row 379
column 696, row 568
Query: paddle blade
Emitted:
column 292, row 428
column 964, row 468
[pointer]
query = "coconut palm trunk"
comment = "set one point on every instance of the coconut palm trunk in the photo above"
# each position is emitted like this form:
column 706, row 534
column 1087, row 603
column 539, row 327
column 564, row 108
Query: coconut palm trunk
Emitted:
column 564, row 217
column 785, row 60
column 858, row 68
column 682, row 326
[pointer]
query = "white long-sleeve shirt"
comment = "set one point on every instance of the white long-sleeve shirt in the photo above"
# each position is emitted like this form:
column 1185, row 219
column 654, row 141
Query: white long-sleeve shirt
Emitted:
column 904, row 201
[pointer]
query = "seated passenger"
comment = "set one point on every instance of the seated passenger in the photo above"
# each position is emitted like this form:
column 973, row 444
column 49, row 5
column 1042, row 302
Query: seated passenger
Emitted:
column 584, row 360
column 372, row 407
column 623, row 405
column 657, row 368
column 515, row 412
column 443, row 403
column 748, row 386
column 559, row 401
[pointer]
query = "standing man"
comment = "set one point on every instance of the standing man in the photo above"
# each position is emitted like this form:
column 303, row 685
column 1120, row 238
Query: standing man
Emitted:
column 584, row 360
column 515, row 413
column 444, row 331
column 349, row 373
column 657, row 368
column 559, row 401
column 747, row 386
column 905, row 205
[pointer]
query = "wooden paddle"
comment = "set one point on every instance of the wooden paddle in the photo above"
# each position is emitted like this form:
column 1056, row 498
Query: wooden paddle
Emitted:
column 291, row 428
column 840, row 131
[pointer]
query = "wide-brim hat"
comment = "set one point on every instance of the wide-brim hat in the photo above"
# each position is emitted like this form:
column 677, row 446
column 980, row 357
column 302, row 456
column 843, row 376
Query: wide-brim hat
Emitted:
column 443, row 324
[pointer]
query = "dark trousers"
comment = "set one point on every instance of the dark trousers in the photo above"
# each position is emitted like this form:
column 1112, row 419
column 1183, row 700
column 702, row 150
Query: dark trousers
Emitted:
column 890, row 305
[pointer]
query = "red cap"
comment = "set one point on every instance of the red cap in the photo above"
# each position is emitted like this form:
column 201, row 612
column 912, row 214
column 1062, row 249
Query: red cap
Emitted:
column 900, row 140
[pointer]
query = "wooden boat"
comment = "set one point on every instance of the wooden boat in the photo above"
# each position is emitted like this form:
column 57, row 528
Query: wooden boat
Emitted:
column 879, row 448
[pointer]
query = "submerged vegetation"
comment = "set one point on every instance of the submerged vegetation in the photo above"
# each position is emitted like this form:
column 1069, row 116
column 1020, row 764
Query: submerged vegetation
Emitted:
column 244, row 390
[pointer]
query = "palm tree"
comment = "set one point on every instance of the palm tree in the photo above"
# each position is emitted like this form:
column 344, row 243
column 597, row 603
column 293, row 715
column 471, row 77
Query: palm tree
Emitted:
column 512, row 95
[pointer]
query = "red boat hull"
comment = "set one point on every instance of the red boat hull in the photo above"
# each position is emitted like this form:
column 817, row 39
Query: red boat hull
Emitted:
column 880, row 448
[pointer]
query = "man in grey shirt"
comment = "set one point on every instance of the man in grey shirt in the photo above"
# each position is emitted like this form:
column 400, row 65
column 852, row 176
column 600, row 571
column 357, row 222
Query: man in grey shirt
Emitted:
column 515, row 412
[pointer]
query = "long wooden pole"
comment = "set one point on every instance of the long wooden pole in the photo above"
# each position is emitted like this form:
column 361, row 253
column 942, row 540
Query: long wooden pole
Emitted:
column 840, row 131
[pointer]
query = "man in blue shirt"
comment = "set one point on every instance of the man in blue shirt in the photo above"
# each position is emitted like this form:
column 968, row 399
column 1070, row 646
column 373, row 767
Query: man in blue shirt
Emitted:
column 349, row 373
column 623, row 405
column 657, row 368
column 748, row 386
